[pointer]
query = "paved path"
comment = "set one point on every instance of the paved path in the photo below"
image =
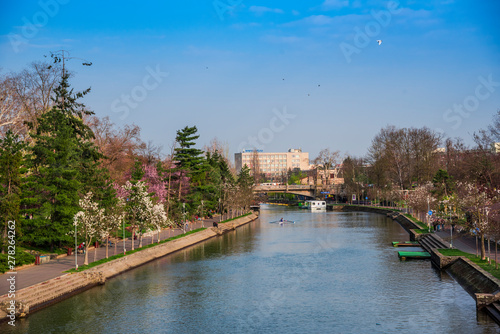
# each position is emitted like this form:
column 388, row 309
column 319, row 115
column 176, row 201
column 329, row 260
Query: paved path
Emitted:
column 55, row 268
column 467, row 243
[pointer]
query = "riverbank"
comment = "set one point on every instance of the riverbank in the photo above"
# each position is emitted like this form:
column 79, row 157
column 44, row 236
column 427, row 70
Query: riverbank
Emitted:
column 25, row 301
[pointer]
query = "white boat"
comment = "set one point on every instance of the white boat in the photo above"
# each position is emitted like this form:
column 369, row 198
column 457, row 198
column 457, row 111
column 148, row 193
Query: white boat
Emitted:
column 316, row 205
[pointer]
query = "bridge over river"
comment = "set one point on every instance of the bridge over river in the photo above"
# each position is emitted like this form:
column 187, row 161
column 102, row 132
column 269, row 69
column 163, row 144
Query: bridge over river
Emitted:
column 303, row 190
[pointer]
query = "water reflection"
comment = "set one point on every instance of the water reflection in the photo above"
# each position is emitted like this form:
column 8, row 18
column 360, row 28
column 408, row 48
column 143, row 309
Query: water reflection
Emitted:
column 327, row 273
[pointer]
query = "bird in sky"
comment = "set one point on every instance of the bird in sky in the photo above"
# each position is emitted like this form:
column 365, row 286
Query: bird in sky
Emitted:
column 379, row 41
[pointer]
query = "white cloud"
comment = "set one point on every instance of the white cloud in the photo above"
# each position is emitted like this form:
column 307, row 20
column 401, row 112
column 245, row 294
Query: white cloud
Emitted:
column 259, row 10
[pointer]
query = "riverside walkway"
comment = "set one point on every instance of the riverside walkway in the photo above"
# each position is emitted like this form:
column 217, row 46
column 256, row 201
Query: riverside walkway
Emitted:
column 36, row 274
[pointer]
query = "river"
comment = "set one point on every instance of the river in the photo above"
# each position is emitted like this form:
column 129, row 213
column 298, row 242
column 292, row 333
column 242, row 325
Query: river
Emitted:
column 329, row 272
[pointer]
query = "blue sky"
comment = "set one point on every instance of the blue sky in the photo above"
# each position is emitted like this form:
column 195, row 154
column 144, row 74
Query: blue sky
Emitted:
column 277, row 75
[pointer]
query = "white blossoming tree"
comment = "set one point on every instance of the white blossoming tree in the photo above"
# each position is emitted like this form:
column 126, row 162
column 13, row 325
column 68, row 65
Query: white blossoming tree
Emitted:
column 474, row 200
column 112, row 221
column 421, row 199
column 139, row 206
column 87, row 220
column 158, row 219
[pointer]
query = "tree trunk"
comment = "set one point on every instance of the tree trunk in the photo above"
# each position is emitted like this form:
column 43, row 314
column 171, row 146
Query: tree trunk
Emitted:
column 140, row 240
column 489, row 251
column 483, row 250
column 158, row 235
column 180, row 185
column 133, row 238
column 107, row 244
column 86, row 255
column 496, row 251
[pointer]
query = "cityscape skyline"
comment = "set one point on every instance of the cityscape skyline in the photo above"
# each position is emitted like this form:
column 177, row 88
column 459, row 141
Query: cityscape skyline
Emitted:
column 290, row 75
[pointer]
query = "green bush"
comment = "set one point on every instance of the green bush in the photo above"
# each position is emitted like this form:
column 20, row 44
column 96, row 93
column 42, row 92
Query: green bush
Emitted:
column 21, row 258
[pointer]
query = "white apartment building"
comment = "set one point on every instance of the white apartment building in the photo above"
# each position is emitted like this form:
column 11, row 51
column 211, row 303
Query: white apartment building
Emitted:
column 273, row 164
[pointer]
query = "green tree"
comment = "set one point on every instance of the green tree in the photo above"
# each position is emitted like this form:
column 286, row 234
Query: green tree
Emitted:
column 11, row 160
column 245, row 187
column 64, row 165
column 443, row 184
column 189, row 162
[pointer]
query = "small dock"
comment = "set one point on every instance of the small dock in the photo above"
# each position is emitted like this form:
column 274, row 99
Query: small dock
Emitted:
column 405, row 244
column 413, row 255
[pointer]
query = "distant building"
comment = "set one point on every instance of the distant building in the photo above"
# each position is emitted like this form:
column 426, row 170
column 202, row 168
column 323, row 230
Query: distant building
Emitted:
column 273, row 164
column 317, row 174
column 495, row 147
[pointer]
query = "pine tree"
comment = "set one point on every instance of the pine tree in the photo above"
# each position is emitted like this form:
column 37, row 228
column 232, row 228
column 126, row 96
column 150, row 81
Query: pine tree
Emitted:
column 64, row 165
column 11, row 160
column 245, row 185
column 189, row 162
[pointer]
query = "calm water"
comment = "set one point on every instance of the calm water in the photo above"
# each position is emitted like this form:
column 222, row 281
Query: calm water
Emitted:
column 327, row 273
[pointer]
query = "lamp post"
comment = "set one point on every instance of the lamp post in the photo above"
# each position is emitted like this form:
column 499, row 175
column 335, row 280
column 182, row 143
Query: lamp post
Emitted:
column 76, row 252
column 184, row 216
column 202, row 224
column 124, row 250
column 487, row 211
column 428, row 216
column 451, row 229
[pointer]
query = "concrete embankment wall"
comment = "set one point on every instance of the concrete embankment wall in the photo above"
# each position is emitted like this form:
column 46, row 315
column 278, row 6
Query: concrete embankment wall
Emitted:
column 46, row 293
column 472, row 278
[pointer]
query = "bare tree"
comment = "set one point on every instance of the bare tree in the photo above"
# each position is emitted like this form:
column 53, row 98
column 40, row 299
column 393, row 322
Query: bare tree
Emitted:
column 10, row 117
column 404, row 156
column 150, row 153
column 118, row 145
column 33, row 91
column 327, row 159
column 255, row 167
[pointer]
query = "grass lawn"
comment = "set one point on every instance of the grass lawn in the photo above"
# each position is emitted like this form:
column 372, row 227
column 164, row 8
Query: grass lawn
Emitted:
column 477, row 260
column 415, row 220
column 422, row 230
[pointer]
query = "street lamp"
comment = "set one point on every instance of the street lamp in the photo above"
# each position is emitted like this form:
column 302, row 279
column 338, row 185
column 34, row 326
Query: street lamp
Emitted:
column 428, row 215
column 76, row 252
column 202, row 225
column 184, row 216
column 451, row 229
column 487, row 211
column 220, row 210
column 124, row 250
